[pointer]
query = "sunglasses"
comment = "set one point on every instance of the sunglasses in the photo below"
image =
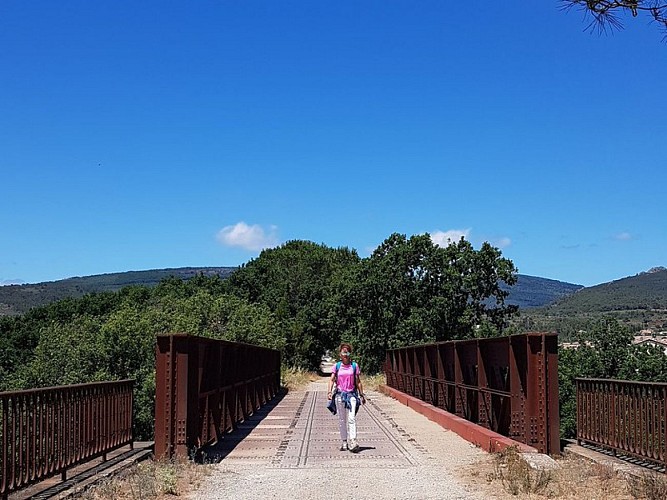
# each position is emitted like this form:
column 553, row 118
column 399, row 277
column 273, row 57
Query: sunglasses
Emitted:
column 344, row 353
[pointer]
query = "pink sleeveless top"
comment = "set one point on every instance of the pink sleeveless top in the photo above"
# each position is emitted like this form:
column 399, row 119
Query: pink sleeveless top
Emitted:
column 346, row 377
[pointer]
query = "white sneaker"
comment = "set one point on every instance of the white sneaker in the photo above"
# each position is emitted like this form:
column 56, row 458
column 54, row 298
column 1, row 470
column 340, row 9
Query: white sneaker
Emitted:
column 353, row 446
column 343, row 446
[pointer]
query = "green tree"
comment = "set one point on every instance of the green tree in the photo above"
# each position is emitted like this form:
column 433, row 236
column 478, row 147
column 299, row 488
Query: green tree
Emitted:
column 296, row 281
column 646, row 363
column 412, row 291
column 572, row 364
column 606, row 344
column 67, row 353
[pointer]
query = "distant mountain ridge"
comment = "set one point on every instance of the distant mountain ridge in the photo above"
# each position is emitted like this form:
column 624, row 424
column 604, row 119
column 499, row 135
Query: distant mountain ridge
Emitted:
column 529, row 291
column 646, row 290
column 17, row 299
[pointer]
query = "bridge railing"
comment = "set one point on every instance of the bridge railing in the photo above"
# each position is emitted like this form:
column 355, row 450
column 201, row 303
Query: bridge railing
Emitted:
column 205, row 387
column 506, row 384
column 45, row 432
column 625, row 417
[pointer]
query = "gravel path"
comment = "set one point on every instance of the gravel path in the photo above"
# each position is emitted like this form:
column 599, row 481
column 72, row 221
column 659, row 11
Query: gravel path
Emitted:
column 292, row 452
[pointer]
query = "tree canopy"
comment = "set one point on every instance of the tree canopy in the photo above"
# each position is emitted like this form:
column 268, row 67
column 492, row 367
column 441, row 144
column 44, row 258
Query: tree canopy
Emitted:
column 408, row 291
column 412, row 291
column 296, row 282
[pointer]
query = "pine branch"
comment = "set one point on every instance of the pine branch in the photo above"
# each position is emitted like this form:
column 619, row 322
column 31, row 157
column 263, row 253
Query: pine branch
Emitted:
column 604, row 13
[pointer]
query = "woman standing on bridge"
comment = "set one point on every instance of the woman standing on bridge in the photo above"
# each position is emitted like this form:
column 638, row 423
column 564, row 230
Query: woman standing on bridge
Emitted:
column 348, row 394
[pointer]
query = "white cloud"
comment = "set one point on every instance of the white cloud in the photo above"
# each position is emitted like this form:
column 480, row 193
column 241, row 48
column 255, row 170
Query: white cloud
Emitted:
column 623, row 236
column 444, row 238
column 248, row 237
column 503, row 242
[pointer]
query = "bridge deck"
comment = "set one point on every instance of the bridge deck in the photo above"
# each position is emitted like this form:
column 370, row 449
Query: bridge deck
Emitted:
column 296, row 442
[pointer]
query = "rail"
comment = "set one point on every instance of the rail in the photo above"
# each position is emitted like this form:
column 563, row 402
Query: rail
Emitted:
column 506, row 384
column 624, row 417
column 45, row 432
column 205, row 387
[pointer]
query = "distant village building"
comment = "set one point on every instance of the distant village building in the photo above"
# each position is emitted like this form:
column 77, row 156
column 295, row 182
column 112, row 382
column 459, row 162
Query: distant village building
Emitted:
column 651, row 339
column 656, row 340
column 574, row 345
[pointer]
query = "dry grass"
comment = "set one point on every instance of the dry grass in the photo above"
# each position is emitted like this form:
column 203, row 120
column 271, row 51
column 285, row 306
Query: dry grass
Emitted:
column 649, row 486
column 372, row 382
column 508, row 475
column 152, row 480
column 516, row 476
column 295, row 379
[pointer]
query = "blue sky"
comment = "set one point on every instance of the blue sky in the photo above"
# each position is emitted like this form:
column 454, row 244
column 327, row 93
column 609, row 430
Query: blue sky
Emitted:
column 146, row 135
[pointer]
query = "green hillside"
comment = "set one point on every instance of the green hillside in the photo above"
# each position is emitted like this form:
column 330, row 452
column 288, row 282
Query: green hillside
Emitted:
column 531, row 291
column 646, row 291
column 638, row 301
column 17, row 299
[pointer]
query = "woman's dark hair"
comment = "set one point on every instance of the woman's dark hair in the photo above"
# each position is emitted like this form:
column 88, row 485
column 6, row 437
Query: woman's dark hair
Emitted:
column 345, row 346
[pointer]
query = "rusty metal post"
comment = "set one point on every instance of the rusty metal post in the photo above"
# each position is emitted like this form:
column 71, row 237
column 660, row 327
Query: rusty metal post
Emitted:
column 517, row 375
column 164, row 397
column 663, row 448
column 431, row 368
column 484, row 412
column 460, row 404
column 401, row 369
column 579, row 399
column 536, row 393
column 419, row 372
column 449, row 351
column 553, row 407
column 407, row 359
column 441, row 384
